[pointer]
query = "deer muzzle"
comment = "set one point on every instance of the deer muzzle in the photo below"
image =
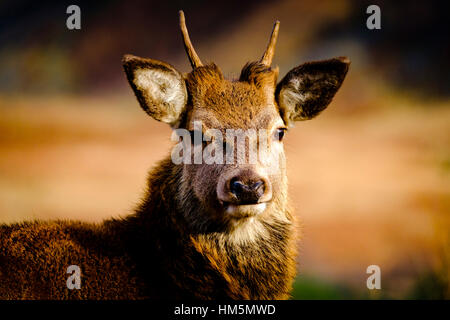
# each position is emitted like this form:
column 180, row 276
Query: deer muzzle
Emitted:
column 244, row 190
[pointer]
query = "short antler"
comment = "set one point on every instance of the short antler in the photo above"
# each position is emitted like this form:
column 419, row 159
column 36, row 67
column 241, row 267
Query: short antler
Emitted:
column 266, row 59
column 193, row 57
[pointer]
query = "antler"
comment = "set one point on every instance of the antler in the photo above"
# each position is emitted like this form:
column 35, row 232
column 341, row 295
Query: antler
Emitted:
column 193, row 57
column 266, row 59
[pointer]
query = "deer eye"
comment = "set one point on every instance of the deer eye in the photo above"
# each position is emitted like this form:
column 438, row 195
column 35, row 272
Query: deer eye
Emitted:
column 279, row 134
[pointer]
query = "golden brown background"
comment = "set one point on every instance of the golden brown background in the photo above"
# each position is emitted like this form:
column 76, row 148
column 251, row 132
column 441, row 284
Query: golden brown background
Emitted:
column 369, row 177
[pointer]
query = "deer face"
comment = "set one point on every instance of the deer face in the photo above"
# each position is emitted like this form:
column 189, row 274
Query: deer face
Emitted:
column 235, row 118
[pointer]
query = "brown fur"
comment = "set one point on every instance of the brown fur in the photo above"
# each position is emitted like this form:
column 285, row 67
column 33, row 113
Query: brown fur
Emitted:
column 180, row 242
column 151, row 254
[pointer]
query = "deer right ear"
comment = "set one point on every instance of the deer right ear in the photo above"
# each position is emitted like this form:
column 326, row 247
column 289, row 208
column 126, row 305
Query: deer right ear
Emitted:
column 308, row 89
column 159, row 88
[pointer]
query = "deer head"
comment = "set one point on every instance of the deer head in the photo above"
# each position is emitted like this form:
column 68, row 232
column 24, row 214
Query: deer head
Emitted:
column 232, row 192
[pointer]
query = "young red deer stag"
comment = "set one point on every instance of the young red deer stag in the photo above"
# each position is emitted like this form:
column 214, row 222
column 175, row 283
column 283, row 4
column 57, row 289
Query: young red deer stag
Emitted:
column 203, row 230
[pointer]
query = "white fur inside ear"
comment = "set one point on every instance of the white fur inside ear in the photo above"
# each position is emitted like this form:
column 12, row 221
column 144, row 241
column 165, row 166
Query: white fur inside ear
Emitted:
column 165, row 89
column 292, row 95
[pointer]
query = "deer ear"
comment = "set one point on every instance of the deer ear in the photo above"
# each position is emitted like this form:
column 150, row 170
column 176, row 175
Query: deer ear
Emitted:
column 159, row 88
column 308, row 89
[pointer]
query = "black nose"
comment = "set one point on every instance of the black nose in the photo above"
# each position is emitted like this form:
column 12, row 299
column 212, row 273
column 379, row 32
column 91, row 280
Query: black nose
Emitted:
column 247, row 193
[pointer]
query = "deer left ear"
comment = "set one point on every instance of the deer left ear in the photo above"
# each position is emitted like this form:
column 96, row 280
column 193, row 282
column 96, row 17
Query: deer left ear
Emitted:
column 308, row 89
column 159, row 88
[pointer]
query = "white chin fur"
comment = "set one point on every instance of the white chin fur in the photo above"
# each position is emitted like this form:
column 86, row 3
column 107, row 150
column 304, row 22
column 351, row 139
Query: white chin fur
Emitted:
column 246, row 209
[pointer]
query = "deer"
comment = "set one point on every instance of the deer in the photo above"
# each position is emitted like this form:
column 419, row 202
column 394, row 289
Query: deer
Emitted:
column 202, row 230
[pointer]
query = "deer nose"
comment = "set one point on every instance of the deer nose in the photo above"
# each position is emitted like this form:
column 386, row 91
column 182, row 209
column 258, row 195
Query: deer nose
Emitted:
column 243, row 186
column 249, row 191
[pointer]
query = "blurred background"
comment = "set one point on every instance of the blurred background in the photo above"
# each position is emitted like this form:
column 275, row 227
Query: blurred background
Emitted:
column 369, row 177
